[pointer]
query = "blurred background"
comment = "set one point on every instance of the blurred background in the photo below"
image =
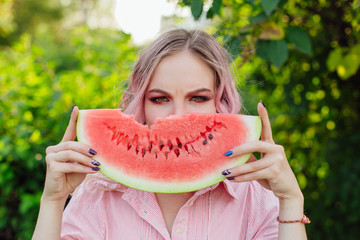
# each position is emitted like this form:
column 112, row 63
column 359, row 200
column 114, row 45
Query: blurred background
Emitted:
column 301, row 58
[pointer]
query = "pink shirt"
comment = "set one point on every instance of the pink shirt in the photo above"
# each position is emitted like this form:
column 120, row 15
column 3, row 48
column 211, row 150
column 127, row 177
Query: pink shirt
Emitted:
column 225, row 210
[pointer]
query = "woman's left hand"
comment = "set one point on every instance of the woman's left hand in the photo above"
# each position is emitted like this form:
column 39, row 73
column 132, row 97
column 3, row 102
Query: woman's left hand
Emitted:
column 272, row 171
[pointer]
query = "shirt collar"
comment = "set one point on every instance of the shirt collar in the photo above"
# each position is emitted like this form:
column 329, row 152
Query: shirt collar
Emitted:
column 229, row 187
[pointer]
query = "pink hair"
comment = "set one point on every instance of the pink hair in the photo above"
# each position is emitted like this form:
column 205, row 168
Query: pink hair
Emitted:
column 227, row 99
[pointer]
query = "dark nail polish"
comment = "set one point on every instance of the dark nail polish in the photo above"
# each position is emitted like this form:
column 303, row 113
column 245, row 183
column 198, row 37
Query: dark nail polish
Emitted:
column 73, row 107
column 230, row 178
column 229, row 153
column 226, row 172
column 262, row 103
column 95, row 169
column 95, row 163
column 92, row 151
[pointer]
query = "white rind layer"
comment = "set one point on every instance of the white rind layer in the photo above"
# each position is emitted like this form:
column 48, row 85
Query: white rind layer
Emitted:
column 254, row 125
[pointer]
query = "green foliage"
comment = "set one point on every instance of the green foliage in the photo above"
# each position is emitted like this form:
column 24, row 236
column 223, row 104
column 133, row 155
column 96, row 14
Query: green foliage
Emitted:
column 300, row 39
column 346, row 61
column 40, row 81
column 302, row 59
column 196, row 8
column 214, row 9
column 269, row 6
column 356, row 4
column 274, row 51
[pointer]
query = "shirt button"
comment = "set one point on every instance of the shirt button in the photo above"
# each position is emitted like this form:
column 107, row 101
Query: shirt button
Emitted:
column 179, row 230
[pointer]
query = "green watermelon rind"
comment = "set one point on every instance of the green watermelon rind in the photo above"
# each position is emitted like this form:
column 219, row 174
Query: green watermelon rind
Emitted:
column 254, row 126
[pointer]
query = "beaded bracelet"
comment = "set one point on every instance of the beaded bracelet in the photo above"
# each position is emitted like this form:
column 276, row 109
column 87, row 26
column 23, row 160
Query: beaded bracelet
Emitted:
column 304, row 219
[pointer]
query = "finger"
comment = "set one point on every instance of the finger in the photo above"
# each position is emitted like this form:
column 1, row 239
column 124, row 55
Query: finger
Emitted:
column 71, row 145
column 253, row 146
column 70, row 132
column 63, row 167
column 250, row 167
column 251, row 176
column 266, row 133
column 72, row 156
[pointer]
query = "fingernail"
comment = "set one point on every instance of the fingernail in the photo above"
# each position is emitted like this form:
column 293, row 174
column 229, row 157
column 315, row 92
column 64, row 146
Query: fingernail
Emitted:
column 262, row 103
column 95, row 163
column 73, row 107
column 226, row 172
column 95, row 169
column 92, row 151
column 229, row 153
column 230, row 178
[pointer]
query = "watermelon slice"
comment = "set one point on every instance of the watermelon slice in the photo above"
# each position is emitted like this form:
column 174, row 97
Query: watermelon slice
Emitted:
column 177, row 154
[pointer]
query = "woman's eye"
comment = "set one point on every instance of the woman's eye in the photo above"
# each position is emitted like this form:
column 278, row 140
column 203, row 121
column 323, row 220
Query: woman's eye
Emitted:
column 159, row 99
column 199, row 98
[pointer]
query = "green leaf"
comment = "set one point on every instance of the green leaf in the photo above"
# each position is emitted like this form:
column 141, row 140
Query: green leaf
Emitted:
column 258, row 18
column 269, row 5
column 356, row 4
column 186, row 2
column 262, row 49
column 215, row 8
column 334, row 59
column 300, row 39
column 349, row 65
column 210, row 13
column 282, row 3
column 197, row 8
column 271, row 31
column 274, row 51
column 278, row 52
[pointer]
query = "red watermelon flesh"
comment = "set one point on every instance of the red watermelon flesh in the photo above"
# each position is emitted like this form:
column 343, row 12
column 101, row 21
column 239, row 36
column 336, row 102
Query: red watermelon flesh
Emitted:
column 179, row 153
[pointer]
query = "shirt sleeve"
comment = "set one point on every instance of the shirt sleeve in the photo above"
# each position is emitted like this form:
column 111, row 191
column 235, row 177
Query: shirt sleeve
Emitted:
column 84, row 216
column 263, row 214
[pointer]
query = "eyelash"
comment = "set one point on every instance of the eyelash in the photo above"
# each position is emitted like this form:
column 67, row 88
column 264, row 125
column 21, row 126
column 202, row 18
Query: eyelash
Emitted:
column 164, row 99
column 202, row 98
column 157, row 99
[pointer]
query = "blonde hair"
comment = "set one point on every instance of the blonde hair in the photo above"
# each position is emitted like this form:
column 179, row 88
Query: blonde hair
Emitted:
column 227, row 99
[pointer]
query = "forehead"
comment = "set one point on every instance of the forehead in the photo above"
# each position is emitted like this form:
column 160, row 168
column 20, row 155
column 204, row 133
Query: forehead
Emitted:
column 182, row 70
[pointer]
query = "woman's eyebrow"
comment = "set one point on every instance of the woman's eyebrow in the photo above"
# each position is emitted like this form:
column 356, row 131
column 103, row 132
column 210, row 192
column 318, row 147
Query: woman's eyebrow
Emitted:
column 200, row 90
column 157, row 90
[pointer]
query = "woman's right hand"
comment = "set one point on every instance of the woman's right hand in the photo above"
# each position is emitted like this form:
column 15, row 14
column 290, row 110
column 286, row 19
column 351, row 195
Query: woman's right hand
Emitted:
column 67, row 164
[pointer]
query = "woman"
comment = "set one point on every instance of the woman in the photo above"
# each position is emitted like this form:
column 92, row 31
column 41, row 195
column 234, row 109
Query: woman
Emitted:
column 179, row 73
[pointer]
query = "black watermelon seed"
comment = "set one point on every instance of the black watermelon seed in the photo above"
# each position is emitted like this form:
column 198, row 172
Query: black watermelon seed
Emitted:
column 210, row 136
column 205, row 141
column 177, row 152
column 161, row 145
column 143, row 152
column 170, row 145
column 178, row 143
